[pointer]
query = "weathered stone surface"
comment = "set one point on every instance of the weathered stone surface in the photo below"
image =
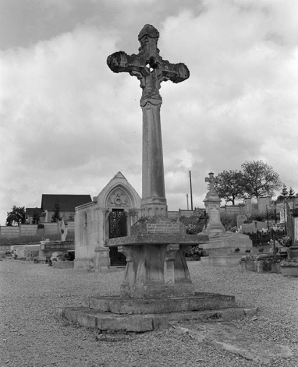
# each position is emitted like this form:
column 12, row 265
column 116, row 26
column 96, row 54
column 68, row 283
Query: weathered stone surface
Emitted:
column 243, row 343
column 157, row 239
column 200, row 301
column 156, row 265
column 155, row 225
column 222, row 260
column 105, row 321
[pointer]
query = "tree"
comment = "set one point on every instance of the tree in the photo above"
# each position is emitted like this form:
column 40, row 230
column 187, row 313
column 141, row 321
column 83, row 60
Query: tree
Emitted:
column 16, row 217
column 56, row 215
column 230, row 185
column 291, row 193
column 259, row 179
column 284, row 191
column 285, row 194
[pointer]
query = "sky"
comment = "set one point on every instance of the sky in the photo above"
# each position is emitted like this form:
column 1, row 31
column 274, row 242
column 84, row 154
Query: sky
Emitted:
column 68, row 124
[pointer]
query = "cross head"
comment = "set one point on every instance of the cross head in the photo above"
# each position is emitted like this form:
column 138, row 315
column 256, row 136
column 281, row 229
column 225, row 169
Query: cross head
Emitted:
column 148, row 66
column 212, row 181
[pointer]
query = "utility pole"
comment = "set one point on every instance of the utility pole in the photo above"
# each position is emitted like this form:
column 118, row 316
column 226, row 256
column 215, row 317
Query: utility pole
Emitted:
column 187, row 201
column 191, row 204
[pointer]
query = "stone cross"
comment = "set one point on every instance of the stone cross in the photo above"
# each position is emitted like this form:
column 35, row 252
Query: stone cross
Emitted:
column 212, row 181
column 151, row 70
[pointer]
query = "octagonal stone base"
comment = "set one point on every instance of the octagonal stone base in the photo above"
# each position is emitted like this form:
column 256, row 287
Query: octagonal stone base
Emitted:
column 117, row 314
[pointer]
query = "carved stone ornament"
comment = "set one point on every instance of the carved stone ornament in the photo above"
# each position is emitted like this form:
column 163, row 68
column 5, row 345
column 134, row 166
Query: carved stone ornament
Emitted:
column 148, row 66
column 118, row 198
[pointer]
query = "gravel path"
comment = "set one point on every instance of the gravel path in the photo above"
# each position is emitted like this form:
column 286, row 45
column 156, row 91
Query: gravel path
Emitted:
column 33, row 335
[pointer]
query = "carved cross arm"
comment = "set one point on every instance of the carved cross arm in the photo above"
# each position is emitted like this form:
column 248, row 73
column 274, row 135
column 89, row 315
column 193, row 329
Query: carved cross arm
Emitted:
column 175, row 72
column 121, row 62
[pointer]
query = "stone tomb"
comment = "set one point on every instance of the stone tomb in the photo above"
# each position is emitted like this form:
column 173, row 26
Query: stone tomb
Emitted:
column 157, row 288
column 93, row 222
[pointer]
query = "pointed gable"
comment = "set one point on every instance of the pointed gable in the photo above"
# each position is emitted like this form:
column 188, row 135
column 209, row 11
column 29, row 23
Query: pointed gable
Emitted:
column 118, row 192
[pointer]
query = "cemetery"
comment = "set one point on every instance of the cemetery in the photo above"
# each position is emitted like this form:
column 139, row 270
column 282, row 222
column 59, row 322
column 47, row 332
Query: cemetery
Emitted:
column 122, row 269
column 157, row 289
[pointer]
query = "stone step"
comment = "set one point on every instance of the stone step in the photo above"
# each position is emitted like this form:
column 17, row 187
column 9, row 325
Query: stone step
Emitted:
column 107, row 321
column 200, row 301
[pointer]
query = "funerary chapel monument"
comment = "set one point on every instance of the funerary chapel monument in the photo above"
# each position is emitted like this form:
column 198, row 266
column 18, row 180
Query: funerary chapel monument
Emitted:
column 157, row 287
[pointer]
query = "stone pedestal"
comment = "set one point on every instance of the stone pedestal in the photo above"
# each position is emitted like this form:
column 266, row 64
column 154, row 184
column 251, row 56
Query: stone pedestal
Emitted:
column 156, row 265
column 212, row 204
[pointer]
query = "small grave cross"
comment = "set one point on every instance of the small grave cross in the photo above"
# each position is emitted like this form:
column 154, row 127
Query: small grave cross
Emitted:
column 212, row 181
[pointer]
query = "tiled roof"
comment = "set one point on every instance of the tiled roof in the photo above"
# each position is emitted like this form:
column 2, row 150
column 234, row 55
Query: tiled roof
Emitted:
column 30, row 211
column 66, row 202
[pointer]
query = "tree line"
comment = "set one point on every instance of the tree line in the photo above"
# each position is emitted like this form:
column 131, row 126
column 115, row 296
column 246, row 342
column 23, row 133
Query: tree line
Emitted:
column 255, row 179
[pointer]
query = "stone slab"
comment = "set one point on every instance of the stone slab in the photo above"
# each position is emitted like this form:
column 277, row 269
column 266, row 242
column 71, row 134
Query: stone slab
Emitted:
column 155, row 239
column 224, row 260
column 250, row 346
column 107, row 321
column 200, row 301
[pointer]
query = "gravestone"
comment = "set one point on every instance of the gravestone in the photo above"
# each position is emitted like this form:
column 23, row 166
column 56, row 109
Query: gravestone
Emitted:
column 212, row 204
column 224, row 248
column 157, row 288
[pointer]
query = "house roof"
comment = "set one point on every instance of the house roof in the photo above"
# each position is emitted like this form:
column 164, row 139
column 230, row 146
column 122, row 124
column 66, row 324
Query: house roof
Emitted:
column 30, row 211
column 66, row 202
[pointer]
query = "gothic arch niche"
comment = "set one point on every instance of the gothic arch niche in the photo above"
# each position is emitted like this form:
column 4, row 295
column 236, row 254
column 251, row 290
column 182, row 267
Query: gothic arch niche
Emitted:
column 119, row 197
column 119, row 200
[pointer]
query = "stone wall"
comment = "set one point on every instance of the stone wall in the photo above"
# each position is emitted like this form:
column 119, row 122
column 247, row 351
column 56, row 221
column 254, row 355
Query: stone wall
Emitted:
column 10, row 232
column 10, row 235
column 232, row 209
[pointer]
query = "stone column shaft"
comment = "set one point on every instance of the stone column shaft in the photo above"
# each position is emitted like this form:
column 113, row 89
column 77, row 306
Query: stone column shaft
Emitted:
column 153, row 185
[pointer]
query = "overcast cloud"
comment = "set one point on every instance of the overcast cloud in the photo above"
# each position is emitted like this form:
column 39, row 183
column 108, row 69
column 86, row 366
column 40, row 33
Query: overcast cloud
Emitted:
column 68, row 124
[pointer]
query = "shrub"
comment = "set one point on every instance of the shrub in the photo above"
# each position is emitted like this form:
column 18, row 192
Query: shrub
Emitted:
column 193, row 224
column 229, row 221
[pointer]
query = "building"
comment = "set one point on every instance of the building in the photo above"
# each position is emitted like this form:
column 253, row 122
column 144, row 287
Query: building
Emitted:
column 33, row 215
column 65, row 203
column 109, row 215
column 50, row 202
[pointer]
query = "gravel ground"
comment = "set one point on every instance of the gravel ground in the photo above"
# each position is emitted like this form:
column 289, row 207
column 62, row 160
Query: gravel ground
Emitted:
column 33, row 335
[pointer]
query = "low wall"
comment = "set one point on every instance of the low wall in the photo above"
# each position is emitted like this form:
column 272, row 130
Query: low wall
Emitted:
column 10, row 232
column 10, row 235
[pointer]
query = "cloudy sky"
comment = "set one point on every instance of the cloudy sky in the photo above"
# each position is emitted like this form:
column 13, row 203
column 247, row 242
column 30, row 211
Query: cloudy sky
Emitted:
column 68, row 124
